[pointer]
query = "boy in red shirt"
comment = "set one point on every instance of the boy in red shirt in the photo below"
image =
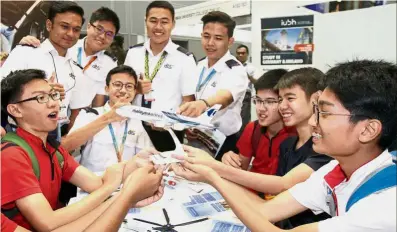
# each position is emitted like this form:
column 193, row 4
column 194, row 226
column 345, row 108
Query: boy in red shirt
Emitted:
column 32, row 201
column 261, row 139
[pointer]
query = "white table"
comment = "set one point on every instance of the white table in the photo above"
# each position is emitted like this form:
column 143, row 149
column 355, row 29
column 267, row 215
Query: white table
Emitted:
column 172, row 201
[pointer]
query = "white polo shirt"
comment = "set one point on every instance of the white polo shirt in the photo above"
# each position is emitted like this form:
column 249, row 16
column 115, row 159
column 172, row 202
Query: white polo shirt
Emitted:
column 174, row 79
column 377, row 212
column 250, row 70
column 46, row 58
column 99, row 152
column 95, row 73
column 230, row 75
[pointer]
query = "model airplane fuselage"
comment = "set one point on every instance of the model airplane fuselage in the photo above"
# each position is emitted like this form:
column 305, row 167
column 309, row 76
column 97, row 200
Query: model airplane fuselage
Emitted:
column 165, row 119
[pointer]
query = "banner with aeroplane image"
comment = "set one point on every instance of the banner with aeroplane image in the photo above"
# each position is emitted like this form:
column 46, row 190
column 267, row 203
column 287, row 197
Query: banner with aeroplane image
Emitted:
column 287, row 40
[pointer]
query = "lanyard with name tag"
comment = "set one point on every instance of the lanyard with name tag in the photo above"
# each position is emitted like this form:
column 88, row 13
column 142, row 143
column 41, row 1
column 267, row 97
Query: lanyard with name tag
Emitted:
column 156, row 68
column 89, row 62
column 204, row 82
column 148, row 97
column 119, row 151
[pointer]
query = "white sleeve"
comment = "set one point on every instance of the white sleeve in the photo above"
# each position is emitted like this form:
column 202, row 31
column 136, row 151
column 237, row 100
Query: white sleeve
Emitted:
column 16, row 60
column 313, row 193
column 250, row 70
column 189, row 79
column 82, row 119
column 235, row 80
column 376, row 212
column 128, row 59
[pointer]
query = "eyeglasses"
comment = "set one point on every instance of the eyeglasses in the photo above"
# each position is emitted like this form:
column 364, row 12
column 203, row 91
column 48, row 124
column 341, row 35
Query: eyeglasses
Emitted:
column 317, row 112
column 100, row 30
column 128, row 86
column 263, row 102
column 43, row 98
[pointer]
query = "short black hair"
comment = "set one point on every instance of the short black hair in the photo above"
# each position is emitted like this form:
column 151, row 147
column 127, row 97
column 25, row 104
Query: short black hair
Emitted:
column 243, row 46
column 161, row 4
column 309, row 79
column 121, row 69
column 369, row 88
column 269, row 79
column 60, row 7
column 106, row 14
column 220, row 17
column 12, row 86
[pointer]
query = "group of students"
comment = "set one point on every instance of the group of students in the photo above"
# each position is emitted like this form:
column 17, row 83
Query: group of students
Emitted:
column 305, row 119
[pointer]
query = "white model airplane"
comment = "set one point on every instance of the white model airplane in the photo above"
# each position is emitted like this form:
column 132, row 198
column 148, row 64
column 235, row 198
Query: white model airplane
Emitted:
column 168, row 120
column 165, row 119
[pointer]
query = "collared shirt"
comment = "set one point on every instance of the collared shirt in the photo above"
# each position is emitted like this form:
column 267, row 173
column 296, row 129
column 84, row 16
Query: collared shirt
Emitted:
column 233, row 79
column 250, row 70
column 174, row 80
column 377, row 212
column 94, row 78
column 99, row 152
column 7, row 225
column 19, row 179
column 46, row 58
column 267, row 152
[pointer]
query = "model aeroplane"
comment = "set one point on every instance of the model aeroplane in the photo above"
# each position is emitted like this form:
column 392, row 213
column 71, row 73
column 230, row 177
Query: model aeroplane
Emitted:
column 169, row 121
column 165, row 119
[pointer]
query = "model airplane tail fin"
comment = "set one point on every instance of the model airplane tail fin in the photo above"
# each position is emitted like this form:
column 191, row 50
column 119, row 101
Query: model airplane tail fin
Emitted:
column 207, row 116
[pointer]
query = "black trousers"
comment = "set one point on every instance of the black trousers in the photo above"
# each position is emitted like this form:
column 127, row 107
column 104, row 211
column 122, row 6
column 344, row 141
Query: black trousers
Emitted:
column 245, row 111
column 162, row 140
column 228, row 145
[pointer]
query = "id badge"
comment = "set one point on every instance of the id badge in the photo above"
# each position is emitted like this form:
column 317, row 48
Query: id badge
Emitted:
column 149, row 96
column 63, row 115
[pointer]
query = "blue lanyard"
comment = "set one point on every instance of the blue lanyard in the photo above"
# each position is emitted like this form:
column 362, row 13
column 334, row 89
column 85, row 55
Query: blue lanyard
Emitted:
column 119, row 152
column 79, row 55
column 202, row 82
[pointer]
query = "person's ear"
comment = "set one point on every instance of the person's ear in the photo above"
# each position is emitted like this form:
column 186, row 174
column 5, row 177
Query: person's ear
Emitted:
column 173, row 24
column 48, row 24
column 14, row 110
column 314, row 97
column 231, row 41
column 371, row 129
column 107, row 89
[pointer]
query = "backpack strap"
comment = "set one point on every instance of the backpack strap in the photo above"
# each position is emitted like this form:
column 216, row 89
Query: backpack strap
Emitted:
column 394, row 155
column 256, row 137
column 12, row 137
column 383, row 179
column 60, row 158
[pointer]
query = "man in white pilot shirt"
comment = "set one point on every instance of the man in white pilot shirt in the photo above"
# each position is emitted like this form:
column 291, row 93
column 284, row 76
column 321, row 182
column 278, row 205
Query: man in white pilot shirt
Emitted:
column 167, row 68
column 90, row 54
column 108, row 137
column 54, row 57
column 222, row 79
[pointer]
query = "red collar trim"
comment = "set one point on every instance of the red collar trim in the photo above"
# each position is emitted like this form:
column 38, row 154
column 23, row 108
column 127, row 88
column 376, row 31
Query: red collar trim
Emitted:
column 335, row 177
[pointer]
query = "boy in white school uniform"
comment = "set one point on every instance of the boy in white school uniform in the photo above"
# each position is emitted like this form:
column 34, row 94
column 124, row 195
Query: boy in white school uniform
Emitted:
column 108, row 137
column 221, row 80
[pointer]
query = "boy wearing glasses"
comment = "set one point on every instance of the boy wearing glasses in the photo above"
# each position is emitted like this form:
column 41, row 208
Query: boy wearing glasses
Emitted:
column 271, row 130
column 65, row 19
column 297, row 90
column 89, row 53
column 108, row 137
column 30, row 196
column 354, row 121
